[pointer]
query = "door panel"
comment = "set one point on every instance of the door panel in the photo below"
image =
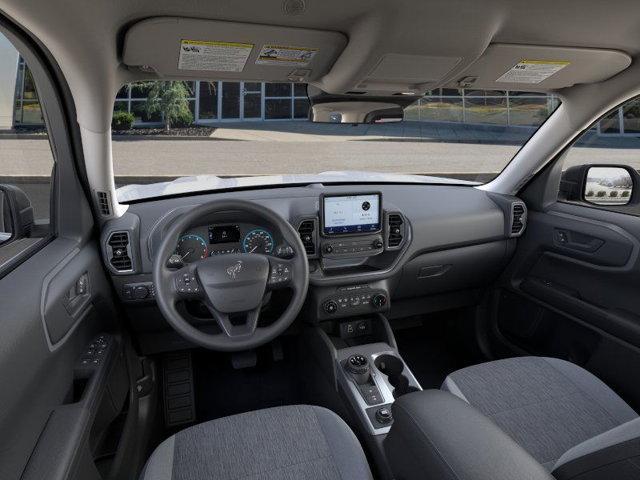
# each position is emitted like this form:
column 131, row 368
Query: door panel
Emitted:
column 38, row 368
column 56, row 404
column 572, row 292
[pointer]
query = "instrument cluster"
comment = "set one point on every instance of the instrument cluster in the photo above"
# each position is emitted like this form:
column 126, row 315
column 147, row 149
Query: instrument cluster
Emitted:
column 213, row 240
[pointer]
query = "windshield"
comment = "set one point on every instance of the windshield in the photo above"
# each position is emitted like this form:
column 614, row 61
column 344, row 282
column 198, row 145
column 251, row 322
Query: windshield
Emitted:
column 177, row 137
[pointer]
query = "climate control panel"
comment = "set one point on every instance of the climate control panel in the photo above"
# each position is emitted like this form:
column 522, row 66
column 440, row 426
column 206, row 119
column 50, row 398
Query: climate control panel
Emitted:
column 354, row 300
column 353, row 247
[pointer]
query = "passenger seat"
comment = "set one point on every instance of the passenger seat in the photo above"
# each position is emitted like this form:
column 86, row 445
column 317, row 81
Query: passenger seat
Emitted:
column 563, row 416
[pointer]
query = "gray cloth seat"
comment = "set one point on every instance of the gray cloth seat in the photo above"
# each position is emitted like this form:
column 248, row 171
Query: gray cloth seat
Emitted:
column 294, row 442
column 546, row 405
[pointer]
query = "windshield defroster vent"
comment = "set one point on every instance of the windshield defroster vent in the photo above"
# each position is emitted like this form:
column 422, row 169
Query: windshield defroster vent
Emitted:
column 395, row 230
column 306, row 230
column 518, row 219
column 119, row 252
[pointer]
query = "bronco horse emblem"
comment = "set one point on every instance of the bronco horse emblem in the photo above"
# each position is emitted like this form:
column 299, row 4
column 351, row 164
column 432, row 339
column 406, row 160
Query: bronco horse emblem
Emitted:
column 234, row 269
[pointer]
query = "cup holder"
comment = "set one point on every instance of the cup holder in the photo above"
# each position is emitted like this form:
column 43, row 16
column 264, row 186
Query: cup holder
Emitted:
column 393, row 367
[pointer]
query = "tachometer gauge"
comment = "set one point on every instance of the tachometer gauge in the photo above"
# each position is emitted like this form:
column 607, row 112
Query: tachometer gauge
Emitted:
column 258, row 241
column 191, row 248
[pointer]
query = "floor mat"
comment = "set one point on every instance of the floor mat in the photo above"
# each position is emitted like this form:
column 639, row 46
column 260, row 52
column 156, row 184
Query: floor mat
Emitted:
column 221, row 390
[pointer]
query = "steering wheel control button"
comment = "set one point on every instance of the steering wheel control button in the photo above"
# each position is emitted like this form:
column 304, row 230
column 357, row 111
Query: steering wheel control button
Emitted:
column 280, row 274
column 187, row 284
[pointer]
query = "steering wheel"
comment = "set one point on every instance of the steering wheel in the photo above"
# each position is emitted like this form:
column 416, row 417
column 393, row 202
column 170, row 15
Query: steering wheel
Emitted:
column 231, row 286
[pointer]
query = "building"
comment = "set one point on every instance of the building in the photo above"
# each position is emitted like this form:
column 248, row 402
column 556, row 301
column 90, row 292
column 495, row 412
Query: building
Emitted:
column 218, row 101
column 212, row 102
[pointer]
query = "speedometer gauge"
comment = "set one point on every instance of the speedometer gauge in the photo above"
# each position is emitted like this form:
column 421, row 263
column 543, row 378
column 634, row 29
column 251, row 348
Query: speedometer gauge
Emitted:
column 191, row 248
column 258, row 241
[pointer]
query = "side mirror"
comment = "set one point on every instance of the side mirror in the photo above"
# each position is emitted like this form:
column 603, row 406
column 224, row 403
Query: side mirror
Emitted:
column 16, row 214
column 608, row 186
column 605, row 185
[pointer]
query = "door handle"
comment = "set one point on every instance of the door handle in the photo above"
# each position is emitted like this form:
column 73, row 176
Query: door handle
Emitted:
column 576, row 240
column 78, row 295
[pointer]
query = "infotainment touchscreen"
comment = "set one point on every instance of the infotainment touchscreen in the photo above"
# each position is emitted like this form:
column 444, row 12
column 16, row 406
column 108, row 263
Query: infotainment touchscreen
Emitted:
column 351, row 213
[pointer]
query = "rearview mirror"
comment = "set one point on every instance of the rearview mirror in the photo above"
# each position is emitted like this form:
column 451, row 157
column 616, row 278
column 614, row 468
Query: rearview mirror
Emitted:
column 357, row 107
column 608, row 186
column 356, row 112
column 16, row 214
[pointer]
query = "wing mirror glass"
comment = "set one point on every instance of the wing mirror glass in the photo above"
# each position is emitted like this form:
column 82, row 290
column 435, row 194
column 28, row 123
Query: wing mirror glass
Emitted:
column 16, row 214
column 608, row 186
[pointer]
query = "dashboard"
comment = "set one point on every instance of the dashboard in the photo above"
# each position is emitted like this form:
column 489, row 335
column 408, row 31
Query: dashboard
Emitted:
column 396, row 249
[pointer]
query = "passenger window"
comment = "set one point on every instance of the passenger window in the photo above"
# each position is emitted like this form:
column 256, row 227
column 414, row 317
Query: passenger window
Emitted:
column 26, row 159
column 601, row 169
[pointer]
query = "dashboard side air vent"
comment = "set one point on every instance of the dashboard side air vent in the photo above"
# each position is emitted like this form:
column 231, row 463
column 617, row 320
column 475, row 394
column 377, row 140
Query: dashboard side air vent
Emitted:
column 395, row 230
column 307, row 232
column 518, row 219
column 119, row 252
column 104, row 205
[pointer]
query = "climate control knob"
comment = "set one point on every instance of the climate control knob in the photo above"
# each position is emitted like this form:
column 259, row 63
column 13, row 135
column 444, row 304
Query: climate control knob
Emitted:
column 378, row 244
column 328, row 248
column 330, row 307
column 379, row 300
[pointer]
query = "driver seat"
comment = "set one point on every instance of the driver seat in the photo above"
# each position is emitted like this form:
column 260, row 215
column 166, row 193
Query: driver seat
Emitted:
column 292, row 442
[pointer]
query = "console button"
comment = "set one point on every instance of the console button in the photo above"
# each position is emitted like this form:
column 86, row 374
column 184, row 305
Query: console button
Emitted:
column 379, row 300
column 331, row 307
column 383, row 415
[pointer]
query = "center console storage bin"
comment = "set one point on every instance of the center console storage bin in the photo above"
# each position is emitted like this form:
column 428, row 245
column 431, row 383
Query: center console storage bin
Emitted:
column 437, row 435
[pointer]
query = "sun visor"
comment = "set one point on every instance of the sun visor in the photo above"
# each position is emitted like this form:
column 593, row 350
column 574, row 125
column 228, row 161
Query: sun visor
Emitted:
column 192, row 48
column 528, row 67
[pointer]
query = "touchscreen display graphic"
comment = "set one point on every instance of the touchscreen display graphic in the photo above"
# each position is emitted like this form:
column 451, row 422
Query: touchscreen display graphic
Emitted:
column 351, row 214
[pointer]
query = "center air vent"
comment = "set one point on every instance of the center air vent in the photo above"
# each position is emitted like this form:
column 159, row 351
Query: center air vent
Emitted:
column 395, row 229
column 519, row 219
column 307, row 235
column 118, row 251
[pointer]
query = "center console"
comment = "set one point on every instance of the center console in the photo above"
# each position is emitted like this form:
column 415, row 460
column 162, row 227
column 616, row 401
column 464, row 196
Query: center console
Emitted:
column 372, row 377
column 367, row 372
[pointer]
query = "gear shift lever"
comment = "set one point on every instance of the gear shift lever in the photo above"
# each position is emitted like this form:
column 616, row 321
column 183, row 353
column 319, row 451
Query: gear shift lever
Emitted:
column 358, row 366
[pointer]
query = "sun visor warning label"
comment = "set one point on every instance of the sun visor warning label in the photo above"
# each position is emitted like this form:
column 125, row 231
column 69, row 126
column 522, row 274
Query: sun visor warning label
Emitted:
column 285, row 56
column 213, row 56
column 532, row 71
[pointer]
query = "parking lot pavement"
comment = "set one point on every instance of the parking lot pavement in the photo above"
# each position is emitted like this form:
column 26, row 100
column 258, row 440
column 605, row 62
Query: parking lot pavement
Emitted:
column 267, row 148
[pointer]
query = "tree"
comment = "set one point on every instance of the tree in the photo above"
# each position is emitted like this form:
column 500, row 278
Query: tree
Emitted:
column 170, row 99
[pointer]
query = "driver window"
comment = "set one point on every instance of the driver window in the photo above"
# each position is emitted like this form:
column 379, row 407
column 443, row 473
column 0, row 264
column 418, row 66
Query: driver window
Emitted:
column 26, row 159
